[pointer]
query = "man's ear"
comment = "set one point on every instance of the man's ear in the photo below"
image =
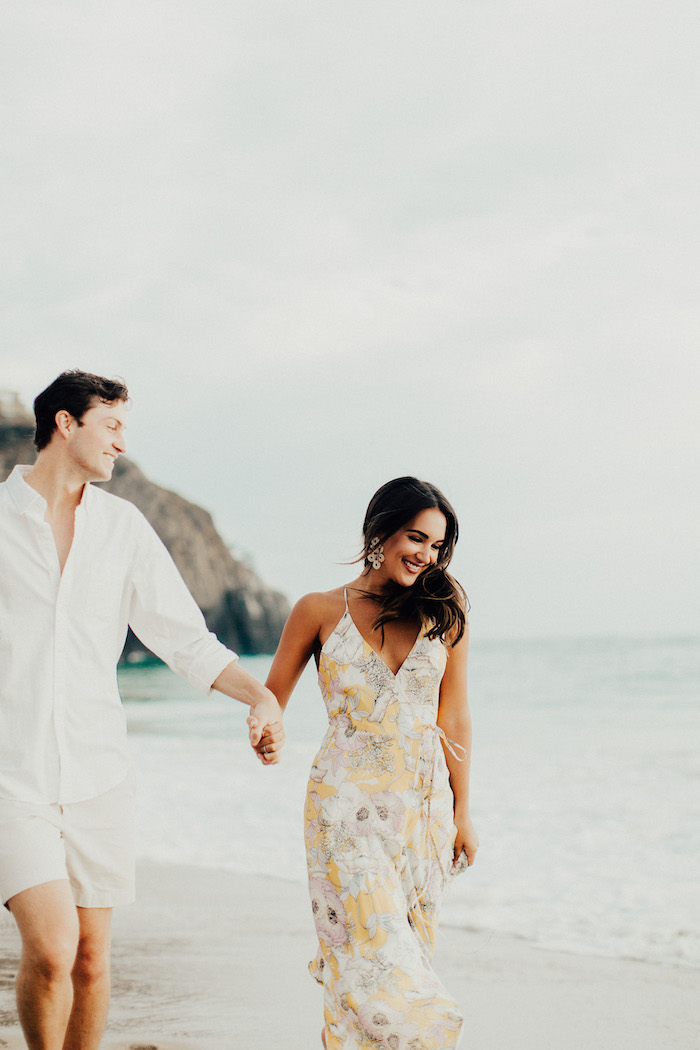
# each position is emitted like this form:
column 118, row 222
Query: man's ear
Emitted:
column 64, row 423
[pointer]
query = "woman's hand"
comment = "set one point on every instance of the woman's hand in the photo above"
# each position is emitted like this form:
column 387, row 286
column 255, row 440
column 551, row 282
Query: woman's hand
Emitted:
column 466, row 844
column 266, row 731
column 265, row 728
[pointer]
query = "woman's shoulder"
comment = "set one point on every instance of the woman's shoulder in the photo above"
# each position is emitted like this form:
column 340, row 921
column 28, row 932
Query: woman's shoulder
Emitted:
column 318, row 613
column 320, row 604
column 456, row 641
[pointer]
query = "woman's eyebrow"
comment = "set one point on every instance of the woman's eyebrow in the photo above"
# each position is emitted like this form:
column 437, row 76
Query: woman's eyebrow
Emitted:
column 424, row 535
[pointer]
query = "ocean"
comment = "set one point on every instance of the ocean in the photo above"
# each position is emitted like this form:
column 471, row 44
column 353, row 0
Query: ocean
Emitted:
column 585, row 789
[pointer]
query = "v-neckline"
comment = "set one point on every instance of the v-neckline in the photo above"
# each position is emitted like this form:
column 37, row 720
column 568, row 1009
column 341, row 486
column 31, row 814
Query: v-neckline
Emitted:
column 394, row 674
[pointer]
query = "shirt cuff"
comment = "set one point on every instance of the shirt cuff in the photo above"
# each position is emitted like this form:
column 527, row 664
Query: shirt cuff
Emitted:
column 206, row 667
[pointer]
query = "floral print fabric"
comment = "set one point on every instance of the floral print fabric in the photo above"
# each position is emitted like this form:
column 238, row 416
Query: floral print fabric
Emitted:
column 379, row 841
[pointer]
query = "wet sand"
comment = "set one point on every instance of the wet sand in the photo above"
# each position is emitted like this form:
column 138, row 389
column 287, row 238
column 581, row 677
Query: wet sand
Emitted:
column 207, row 960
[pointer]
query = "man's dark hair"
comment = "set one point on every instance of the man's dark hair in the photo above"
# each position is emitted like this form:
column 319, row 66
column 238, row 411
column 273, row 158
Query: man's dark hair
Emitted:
column 74, row 392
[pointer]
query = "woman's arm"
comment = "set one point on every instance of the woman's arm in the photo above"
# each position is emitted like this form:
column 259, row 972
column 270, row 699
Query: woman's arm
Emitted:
column 300, row 638
column 296, row 645
column 455, row 721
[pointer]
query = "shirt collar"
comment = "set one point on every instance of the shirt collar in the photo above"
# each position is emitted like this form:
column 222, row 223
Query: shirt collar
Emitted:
column 27, row 499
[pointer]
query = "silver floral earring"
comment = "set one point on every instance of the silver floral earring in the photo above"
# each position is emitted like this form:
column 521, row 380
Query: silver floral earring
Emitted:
column 375, row 554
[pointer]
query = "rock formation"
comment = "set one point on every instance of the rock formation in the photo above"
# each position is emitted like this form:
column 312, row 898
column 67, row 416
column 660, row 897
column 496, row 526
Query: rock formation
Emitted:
column 16, row 434
column 244, row 613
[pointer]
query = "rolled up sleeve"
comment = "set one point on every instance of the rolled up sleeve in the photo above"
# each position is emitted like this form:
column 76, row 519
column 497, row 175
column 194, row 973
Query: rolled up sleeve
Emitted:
column 166, row 618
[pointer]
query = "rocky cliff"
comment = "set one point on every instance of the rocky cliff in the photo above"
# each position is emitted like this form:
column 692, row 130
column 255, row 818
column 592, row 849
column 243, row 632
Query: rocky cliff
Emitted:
column 244, row 613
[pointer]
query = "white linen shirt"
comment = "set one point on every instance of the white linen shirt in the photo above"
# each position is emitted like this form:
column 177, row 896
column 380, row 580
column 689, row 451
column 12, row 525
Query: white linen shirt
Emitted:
column 62, row 724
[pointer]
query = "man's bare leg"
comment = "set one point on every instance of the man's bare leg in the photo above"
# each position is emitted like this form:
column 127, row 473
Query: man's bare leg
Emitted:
column 91, row 981
column 48, row 924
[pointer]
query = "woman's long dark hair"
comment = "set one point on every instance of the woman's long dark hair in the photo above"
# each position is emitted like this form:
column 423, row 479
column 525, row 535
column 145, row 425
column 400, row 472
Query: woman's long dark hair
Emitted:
column 435, row 598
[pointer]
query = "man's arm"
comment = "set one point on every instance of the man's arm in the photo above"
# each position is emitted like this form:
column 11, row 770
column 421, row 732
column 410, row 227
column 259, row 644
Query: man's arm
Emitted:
column 265, row 719
column 165, row 616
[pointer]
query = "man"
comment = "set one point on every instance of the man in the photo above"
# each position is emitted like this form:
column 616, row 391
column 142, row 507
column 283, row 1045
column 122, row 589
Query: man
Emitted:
column 77, row 565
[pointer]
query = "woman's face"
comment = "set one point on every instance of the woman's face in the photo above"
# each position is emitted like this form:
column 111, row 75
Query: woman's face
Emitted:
column 414, row 547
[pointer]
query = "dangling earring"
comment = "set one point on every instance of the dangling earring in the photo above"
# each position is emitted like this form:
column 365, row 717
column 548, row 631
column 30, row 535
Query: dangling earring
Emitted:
column 376, row 553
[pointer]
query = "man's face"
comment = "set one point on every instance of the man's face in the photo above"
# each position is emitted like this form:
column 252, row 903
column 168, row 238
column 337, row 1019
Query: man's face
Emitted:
column 94, row 445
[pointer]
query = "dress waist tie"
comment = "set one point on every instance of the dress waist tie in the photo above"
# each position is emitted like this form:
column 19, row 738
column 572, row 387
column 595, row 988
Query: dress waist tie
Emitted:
column 452, row 746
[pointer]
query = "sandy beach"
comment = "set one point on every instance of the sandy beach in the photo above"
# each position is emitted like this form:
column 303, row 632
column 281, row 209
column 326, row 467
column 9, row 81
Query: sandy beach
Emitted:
column 208, row 960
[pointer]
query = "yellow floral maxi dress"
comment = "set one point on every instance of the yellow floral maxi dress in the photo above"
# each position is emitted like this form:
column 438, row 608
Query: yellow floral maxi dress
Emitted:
column 379, row 841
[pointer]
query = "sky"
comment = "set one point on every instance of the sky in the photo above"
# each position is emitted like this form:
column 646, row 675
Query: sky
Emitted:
column 331, row 244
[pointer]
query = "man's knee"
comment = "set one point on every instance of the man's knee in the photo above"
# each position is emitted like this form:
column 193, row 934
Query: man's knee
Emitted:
column 48, row 925
column 91, row 962
column 52, row 958
column 92, row 958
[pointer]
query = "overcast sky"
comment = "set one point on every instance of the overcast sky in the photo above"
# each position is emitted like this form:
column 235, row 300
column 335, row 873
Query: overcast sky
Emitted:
column 327, row 244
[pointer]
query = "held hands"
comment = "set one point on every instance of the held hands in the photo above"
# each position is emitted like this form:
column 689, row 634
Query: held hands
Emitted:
column 266, row 731
column 466, row 845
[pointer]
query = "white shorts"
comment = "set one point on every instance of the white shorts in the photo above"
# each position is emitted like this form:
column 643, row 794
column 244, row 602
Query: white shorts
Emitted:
column 89, row 843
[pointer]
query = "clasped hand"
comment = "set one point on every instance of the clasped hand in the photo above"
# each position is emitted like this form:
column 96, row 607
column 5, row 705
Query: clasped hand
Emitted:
column 266, row 732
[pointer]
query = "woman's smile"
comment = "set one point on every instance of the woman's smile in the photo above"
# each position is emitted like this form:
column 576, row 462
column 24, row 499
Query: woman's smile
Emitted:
column 413, row 549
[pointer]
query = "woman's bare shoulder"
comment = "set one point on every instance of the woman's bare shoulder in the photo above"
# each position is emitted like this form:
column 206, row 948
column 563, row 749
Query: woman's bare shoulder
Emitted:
column 458, row 645
column 318, row 605
column 319, row 611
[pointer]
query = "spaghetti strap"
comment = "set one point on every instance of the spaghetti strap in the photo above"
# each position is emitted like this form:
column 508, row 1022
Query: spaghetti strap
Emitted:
column 345, row 595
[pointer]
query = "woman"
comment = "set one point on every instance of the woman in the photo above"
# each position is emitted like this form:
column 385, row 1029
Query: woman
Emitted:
column 387, row 809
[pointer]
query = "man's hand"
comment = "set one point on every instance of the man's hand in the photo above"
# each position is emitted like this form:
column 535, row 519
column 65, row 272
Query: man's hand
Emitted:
column 266, row 736
column 265, row 719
